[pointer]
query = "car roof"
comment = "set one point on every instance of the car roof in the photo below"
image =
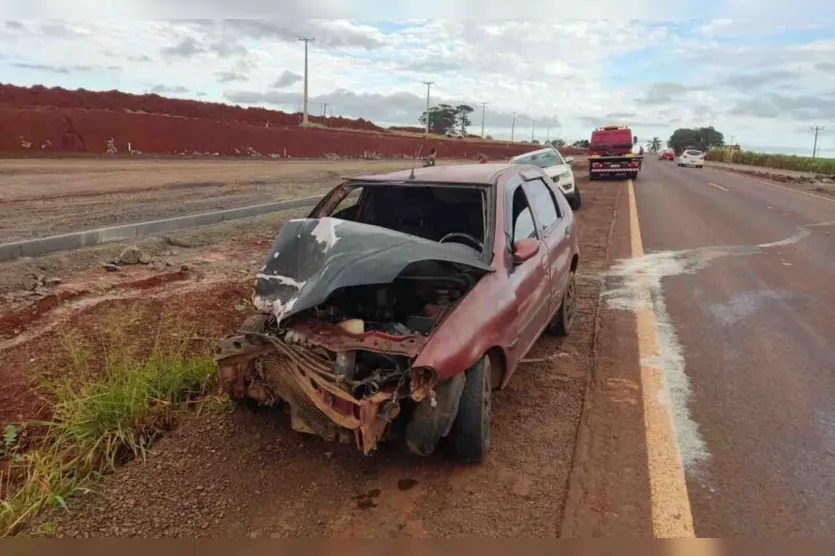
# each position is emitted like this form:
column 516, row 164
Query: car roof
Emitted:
column 482, row 174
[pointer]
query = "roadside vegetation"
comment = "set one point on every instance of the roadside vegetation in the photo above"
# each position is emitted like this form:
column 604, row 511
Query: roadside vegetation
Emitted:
column 777, row 161
column 109, row 401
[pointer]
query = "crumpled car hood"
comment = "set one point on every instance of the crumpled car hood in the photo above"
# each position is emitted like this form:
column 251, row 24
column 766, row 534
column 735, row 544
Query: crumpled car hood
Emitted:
column 313, row 257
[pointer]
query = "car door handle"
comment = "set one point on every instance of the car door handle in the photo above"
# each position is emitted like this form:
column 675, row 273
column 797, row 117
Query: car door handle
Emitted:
column 567, row 231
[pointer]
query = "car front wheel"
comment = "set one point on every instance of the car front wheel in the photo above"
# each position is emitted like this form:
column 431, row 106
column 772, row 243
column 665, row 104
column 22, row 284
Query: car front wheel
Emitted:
column 469, row 438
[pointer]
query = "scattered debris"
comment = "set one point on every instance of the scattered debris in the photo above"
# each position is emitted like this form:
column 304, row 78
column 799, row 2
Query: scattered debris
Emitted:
column 54, row 281
column 133, row 255
column 30, row 282
column 110, row 267
column 552, row 357
column 173, row 241
column 111, row 146
column 406, row 484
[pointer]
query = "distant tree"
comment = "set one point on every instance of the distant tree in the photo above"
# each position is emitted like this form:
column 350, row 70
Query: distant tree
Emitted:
column 557, row 143
column 535, row 141
column 444, row 117
column 703, row 138
column 654, row 144
column 581, row 144
column 462, row 117
column 489, row 137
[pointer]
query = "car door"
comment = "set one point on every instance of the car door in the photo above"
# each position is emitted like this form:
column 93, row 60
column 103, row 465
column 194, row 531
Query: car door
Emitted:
column 529, row 280
column 556, row 226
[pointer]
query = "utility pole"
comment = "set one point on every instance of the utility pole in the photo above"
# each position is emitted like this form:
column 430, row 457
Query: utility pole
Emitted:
column 483, row 105
column 306, row 41
column 533, row 128
column 817, row 129
column 513, row 127
column 428, row 85
column 548, row 135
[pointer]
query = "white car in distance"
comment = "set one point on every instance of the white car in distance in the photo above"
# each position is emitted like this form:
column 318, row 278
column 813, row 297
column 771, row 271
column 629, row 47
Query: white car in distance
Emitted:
column 692, row 157
column 557, row 168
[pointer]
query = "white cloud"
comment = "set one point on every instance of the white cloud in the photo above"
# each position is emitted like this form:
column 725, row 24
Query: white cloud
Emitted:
column 569, row 74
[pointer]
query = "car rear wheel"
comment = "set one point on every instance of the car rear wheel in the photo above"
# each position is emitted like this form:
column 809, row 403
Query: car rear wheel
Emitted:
column 561, row 325
column 469, row 438
column 575, row 200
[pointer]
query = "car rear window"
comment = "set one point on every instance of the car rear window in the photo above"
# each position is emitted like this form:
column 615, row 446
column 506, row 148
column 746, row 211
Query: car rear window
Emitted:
column 693, row 153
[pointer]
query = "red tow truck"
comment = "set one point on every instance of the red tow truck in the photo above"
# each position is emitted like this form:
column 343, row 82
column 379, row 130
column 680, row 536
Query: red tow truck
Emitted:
column 611, row 153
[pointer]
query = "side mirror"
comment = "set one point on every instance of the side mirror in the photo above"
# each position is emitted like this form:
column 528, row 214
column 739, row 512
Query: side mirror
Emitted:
column 569, row 160
column 524, row 250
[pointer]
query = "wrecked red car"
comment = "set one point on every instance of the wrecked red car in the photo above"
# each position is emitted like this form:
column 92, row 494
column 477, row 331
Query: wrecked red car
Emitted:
column 402, row 301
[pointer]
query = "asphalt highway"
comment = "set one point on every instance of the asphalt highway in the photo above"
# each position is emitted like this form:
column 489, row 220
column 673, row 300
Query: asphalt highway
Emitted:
column 742, row 277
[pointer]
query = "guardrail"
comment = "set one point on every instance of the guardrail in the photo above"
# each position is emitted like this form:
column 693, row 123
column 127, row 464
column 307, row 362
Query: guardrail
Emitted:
column 88, row 238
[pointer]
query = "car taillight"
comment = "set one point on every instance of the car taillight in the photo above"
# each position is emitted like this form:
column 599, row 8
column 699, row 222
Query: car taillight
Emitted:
column 633, row 164
column 596, row 165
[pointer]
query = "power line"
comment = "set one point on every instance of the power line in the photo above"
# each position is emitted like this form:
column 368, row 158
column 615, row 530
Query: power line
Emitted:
column 306, row 41
column 817, row 129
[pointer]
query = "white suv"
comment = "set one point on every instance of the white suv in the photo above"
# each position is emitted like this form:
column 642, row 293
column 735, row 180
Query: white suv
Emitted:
column 692, row 157
column 557, row 168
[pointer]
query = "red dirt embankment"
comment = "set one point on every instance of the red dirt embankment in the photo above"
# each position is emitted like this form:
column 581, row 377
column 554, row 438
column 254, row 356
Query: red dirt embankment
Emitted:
column 56, row 97
column 55, row 122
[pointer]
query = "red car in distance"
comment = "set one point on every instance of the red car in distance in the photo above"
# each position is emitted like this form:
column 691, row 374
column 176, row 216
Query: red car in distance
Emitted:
column 666, row 155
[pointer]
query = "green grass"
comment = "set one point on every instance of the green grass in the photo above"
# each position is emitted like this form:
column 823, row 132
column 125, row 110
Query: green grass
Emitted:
column 103, row 415
column 777, row 161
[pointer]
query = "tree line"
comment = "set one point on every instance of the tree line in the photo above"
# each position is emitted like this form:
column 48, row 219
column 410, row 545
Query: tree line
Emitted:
column 446, row 118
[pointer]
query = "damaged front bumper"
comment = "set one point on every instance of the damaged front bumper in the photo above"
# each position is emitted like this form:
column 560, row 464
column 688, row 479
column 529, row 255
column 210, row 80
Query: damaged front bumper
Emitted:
column 299, row 368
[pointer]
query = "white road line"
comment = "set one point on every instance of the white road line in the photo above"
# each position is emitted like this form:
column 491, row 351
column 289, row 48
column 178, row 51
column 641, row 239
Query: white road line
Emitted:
column 717, row 186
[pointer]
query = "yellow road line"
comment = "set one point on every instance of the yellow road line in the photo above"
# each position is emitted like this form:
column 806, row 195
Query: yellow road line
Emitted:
column 671, row 514
column 717, row 186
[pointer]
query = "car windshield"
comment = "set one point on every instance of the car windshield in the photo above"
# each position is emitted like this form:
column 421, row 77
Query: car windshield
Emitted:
column 543, row 159
column 425, row 211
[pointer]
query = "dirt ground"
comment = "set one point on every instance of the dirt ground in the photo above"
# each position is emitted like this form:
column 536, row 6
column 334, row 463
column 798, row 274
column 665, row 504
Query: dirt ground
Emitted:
column 231, row 473
column 54, row 196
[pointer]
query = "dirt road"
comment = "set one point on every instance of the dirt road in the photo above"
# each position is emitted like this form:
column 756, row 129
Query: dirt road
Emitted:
column 53, row 196
column 232, row 473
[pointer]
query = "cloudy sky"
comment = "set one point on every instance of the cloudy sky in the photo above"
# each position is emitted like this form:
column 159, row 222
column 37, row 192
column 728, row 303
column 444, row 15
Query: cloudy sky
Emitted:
column 764, row 82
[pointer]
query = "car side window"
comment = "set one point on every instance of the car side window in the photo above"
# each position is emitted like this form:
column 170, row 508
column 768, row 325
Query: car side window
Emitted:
column 523, row 223
column 544, row 203
column 560, row 159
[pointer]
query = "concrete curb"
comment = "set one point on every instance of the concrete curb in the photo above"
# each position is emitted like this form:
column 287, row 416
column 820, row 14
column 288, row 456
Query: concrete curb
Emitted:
column 66, row 242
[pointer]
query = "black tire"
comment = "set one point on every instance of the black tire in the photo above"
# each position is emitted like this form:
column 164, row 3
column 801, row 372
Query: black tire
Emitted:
column 575, row 201
column 593, row 177
column 469, row 437
column 254, row 323
column 564, row 319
